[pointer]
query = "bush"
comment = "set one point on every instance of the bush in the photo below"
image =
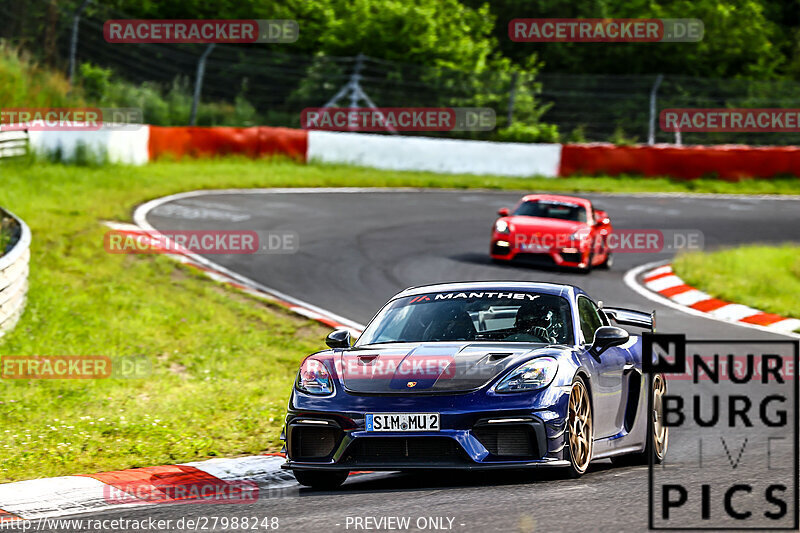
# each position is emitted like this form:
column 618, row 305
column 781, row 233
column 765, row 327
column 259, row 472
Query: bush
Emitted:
column 162, row 106
column 524, row 133
column 25, row 83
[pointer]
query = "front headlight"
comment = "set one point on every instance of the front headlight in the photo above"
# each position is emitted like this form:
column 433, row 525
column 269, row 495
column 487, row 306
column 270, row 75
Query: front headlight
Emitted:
column 501, row 226
column 314, row 378
column 529, row 376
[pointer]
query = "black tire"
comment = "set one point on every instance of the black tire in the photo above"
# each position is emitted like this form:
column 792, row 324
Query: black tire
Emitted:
column 320, row 480
column 608, row 263
column 588, row 267
column 655, row 446
column 579, row 456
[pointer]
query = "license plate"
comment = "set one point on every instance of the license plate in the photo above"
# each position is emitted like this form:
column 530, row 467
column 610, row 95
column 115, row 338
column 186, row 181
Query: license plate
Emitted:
column 534, row 248
column 403, row 422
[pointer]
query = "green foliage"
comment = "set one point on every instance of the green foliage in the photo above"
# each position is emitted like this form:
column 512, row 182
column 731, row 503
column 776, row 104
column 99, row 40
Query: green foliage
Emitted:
column 523, row 133
column 26, row 83
column 23, row 82
column 743, row 38
column 577, row 135
column 442, row 33
column 6, row 230
column 162, row 106
column 621, row 139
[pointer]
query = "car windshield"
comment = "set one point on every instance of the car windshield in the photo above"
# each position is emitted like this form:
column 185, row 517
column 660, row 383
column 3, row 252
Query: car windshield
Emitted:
column 551, row 209
column 473, row 316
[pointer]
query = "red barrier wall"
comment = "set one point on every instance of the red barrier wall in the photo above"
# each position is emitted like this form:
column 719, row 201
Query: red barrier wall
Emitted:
column 726, row 162
column 208, row 142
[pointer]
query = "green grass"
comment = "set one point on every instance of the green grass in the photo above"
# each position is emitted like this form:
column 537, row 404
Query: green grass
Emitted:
column 222, row 362
column 764, row 277
column 5, row 234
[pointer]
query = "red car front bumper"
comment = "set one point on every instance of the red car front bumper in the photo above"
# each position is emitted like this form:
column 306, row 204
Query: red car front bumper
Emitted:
column 503, row 248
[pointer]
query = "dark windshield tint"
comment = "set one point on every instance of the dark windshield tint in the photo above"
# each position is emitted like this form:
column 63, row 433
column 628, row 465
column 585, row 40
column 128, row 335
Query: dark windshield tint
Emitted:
column 473, row 316
column 589, row 319
column 544, row 209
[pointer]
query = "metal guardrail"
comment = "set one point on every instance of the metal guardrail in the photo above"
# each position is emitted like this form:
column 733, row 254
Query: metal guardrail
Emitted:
column 13, row 143
column 14, row 275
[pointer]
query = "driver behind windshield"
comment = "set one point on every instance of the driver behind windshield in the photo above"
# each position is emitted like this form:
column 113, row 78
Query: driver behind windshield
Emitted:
column 486, row 316
column 534, row 323
column 451, row 323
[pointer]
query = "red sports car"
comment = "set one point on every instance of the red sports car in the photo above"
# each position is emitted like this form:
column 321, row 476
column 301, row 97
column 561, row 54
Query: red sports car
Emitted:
column 548, row 229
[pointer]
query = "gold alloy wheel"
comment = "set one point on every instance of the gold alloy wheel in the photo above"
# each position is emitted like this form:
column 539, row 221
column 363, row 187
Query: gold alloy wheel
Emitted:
column 660, row 435
column 580, row 427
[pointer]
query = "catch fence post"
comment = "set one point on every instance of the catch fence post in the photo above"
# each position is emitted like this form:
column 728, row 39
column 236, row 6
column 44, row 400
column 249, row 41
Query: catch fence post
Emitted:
column 651, row 135
column 73, row 42
column 198, row 82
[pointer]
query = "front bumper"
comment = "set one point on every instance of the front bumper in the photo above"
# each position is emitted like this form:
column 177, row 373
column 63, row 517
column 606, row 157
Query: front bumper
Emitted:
column 512, row 436
column 503, row 249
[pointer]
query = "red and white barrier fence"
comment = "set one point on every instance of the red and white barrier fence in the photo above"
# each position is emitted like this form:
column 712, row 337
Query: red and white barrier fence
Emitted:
column 449, row 156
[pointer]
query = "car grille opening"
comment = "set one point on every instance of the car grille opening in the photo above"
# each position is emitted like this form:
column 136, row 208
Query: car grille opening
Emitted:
column 404, row 450
column 507, row 440
column 313, row 442
column 535, row 259
column 572, row 257
column 500, row 250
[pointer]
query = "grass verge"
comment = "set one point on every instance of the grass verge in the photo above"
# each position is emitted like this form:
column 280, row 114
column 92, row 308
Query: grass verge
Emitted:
column 764, row 277
column 222, row 363
column 5, row 234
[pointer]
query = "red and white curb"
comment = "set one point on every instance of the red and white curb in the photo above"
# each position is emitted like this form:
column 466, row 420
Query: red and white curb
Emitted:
column 68, row 495
column 664, row 282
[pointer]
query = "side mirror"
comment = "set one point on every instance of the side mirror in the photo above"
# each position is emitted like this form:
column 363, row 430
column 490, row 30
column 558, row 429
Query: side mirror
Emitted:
column 607, row 336
column 503, row 212
column 338, row 339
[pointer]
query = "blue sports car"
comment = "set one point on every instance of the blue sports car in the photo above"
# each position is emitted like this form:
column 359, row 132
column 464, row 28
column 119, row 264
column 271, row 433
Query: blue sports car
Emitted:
column 477, row 375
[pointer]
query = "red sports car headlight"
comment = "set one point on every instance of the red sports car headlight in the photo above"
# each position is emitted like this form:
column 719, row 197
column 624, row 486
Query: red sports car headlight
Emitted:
column 501, row 226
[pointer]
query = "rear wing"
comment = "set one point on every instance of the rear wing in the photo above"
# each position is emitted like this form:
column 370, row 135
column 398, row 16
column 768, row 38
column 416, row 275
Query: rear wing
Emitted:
column 629, row 317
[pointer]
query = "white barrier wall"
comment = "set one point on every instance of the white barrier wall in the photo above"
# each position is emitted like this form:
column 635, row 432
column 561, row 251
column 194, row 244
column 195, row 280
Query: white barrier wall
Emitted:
column 14, row 278
column 121, row 146
column 450, row 156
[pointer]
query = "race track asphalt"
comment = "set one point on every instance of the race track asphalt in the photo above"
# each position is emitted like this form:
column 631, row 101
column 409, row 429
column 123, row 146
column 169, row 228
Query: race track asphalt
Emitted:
column 357, row 249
